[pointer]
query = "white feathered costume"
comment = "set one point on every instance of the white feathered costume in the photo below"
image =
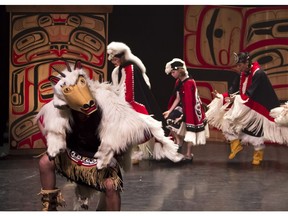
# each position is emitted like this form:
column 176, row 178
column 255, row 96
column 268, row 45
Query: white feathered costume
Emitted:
column 120, row 126
column 280, row 115
column 219, row 115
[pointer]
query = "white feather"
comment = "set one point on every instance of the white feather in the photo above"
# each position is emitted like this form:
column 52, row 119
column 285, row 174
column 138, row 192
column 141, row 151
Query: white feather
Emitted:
column 120, row 127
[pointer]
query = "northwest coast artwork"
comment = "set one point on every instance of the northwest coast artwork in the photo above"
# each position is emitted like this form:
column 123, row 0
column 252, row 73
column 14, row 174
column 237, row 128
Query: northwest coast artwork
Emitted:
column 213, row 33
column 38, row 43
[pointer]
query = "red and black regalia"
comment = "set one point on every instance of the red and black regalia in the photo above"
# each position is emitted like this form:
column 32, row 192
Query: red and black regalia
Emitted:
column 256, row 93
column 193, row 112
column 137, row 92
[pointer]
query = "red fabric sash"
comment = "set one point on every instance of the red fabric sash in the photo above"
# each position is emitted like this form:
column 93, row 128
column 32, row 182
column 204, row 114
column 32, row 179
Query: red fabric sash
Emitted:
column 129, row 93
column 252, row 104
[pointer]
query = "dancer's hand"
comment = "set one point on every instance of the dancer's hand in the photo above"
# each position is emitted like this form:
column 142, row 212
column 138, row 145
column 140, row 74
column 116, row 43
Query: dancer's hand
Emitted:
column 232, row 96
column 216, row 94
column 166, row 114
column 178, row 119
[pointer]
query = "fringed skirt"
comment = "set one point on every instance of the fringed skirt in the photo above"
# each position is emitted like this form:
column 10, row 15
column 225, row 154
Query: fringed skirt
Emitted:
column 83, row 170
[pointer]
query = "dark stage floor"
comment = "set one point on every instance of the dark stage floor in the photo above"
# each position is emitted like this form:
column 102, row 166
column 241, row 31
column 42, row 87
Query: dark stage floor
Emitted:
column 210, row 183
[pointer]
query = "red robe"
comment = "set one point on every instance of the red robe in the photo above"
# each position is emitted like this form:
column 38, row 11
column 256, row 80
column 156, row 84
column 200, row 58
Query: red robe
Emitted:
column 137, row 92
column 256, row 87
column 249, row 113
column 257, row 94
column 194, row 114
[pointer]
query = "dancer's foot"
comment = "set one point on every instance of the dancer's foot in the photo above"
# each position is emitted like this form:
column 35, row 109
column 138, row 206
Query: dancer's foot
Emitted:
column 188, row 157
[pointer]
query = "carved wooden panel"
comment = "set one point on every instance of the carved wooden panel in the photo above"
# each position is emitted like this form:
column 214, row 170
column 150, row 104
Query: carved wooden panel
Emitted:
column 213, row 33
column 42, row 40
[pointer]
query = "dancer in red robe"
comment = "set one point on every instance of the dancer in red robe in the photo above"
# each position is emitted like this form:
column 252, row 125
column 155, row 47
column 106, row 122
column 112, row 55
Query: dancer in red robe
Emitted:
column 185, row 115
column 245, row 116
column 130, row 72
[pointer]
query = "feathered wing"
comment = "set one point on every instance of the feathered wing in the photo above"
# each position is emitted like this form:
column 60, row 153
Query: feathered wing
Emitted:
column 121, row 126
column 215, row 112
column 241, row 115
column 55, row 123
column 280, row 115
column 163, row 146
column 215, row 116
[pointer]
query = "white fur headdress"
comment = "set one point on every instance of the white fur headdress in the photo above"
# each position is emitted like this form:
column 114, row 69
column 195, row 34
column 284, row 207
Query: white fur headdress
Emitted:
column 174, row 64
column 115, row 49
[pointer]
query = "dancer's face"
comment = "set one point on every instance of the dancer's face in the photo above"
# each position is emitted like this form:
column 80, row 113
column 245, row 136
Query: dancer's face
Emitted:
column 242, row 67
column 175, row 73
column 115, row 61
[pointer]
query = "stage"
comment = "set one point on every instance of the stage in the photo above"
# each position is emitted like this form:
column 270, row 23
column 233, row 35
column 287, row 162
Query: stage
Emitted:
column 211, row 182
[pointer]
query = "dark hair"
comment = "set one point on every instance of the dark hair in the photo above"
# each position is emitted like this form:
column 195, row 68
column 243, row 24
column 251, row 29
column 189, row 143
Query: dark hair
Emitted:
column 243, row 57
column 119, row 55
column 176, row 65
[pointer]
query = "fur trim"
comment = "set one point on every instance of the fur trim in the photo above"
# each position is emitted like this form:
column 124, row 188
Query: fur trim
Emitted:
column 239, row 116
column 56, row 124
column 49, row 195
column 280, row 115
column 115, row 48
column 147, row 149
column 196, row 138
column 134, row 127
column 116, row 109
column 114, row 77
column 120, row 127
column 137, row 155
column 168, row 67
column 255, row 141
column 216, row 112
column 230, row 137
column 274, row 113
column 168, row 147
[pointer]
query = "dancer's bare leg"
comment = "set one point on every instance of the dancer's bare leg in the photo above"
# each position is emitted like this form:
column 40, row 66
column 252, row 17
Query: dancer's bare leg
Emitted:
column 47, row 173
column 109, row 200
column 177, row 139
column 189, row 150
column 51, row 196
